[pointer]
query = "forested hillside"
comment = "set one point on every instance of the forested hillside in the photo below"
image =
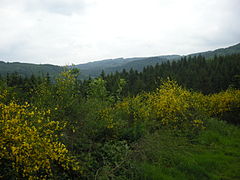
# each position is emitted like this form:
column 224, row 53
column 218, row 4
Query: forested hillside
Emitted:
column 235, row 49
column 94, row 69
column 27, row 69
column 196, row 73
column 109, row 128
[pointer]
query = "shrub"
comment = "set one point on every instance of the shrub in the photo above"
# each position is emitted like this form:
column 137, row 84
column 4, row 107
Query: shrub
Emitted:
column 29, row 142
column 225, row 105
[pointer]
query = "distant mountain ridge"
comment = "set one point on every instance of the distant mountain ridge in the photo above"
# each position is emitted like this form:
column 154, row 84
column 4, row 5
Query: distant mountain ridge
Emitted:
column 235, row 49
column 27, row 69
column 94, row 69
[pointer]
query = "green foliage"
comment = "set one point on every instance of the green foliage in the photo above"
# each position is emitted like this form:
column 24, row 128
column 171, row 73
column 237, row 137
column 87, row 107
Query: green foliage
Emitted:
column 213, row 155
column 87, row 130
column 114, row 157
column 197, row 73
column 97, row 89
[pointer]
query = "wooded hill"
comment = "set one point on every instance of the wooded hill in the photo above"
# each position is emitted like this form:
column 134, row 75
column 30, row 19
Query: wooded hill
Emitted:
column 28, row 69
column 94, row 69
column 220, row 52
column 195, row 73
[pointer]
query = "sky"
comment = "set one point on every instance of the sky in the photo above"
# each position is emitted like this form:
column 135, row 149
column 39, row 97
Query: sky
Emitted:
column 65, row 32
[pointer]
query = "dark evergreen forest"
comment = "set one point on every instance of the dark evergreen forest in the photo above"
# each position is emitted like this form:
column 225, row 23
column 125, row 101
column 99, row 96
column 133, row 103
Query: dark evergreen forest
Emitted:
column 194, row 73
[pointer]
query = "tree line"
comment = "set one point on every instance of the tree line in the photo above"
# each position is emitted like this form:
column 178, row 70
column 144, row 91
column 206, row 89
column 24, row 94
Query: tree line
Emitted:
column 196, row 73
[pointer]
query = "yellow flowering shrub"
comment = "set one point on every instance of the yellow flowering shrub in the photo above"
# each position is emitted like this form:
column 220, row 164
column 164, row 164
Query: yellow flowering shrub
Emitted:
column 175, row 107
column 170, row 106
column 224, row 102
column 29, row 140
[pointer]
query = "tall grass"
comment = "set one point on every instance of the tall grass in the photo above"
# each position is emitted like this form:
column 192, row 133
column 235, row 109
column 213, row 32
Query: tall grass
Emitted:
column 213, row 154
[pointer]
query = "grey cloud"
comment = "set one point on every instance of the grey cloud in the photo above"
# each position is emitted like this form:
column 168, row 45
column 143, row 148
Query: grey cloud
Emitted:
column 15, row 53
column 64, row 7
column 33, row 31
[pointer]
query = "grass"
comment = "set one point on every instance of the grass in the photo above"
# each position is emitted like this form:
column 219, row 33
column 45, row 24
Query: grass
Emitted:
column 213, row 154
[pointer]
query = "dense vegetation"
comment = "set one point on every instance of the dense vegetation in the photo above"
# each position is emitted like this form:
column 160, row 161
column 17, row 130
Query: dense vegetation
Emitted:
column 196, row 73
column 70, row 129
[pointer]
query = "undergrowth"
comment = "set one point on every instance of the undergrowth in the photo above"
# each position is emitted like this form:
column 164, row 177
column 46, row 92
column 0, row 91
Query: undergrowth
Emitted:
column 213, row 154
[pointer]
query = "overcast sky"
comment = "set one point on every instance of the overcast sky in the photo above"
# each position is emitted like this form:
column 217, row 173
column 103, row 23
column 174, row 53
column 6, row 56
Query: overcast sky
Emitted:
column 63, row 32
